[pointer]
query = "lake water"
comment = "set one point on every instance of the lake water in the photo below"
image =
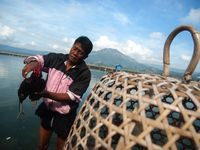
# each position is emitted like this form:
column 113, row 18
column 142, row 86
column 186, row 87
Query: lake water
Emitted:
column 24, row 134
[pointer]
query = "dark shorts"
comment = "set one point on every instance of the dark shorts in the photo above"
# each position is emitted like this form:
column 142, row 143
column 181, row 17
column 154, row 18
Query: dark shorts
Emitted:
column 60, row 123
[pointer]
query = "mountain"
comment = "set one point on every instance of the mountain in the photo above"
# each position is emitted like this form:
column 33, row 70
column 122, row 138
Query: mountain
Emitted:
column 171, row 69
column 111, row 57
column 15, row 50
column 175, row 72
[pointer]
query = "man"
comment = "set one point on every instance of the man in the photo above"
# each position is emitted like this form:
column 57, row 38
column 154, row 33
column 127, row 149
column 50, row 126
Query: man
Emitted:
column 68, row 78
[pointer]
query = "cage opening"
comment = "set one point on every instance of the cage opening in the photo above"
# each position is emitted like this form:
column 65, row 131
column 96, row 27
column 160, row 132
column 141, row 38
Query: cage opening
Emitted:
column 103, row 132
column 92, row 123
column 159, row 137
column 74, row 141
column 86, row 116
column 78, row 123
column 90, row 142
column 104, row 112
column 118, row 100
column 107, row 96
column 189, row 104
column 117, row 119
column 175, row 119
column 152, row 111
column 111, row 84
column 82, row 132
column 196, row 125
column 185, row 143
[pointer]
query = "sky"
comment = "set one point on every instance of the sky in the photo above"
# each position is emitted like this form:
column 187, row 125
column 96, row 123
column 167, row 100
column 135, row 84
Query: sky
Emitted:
column 138, row 29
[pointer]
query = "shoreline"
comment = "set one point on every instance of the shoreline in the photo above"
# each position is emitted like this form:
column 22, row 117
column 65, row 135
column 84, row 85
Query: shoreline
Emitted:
column 12, row 54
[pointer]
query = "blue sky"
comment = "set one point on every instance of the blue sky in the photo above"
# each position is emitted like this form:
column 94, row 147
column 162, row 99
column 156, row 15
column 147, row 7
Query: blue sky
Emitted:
column 136, row 28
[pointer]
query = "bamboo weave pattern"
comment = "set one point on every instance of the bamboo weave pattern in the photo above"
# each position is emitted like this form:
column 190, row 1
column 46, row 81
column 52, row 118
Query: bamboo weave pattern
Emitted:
column 138, row 111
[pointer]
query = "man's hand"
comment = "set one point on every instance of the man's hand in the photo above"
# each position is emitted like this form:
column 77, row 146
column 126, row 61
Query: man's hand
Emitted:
column 34, row 96
column 38, row 95
column 44, row 94
column 28, row 68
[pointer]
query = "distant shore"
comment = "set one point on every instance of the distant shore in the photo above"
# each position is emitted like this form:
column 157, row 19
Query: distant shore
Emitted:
column 12, row 54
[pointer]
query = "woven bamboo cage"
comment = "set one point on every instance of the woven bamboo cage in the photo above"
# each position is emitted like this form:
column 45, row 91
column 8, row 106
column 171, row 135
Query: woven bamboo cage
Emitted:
column 141, row 111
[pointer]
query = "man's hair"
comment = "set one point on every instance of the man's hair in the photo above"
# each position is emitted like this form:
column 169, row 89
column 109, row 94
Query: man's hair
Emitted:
column 86, row 44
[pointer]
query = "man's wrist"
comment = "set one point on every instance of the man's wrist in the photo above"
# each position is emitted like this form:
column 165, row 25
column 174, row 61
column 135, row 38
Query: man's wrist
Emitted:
column 29, row 60
column 33, row 60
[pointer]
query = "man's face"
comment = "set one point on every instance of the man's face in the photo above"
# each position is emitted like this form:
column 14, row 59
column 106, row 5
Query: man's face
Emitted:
column 76, row 53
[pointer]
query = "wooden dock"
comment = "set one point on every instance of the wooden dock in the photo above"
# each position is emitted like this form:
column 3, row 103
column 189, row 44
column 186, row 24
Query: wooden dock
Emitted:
column 12, row 54
column 101, row 68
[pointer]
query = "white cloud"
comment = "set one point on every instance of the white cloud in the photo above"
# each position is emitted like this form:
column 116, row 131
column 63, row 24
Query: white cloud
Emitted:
column 58, row 48
column 33, row 43
column 55, row 46
column 24, row 32
column 71, row 41
column 157, row 35
column 193, row 16
column 65, row 40
column 22, row 29
column 121, row 18
column 104, row 42
column 19, row 44
column 185, row 57
column 129, row 48
column 6, row 32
